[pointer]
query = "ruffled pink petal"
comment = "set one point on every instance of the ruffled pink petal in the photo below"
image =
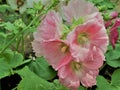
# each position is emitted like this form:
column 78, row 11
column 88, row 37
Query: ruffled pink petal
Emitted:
column 37, row 48
column 97, row 16
column 80, row 53
column 50, row 27
column 89, row 79
column 81, row 8
column 94, row 61
column 54, row 55
column 68, row 78
column 97, row 37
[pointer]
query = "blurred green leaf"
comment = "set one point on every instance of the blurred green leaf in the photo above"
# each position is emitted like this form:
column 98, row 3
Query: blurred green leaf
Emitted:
column 8, row 61
column 56, row 85
column 41, row 67
column 113, row 57
column 9, row 26
column 31, row 81
column 103, row 84
column 2, row 40
column 4, row 7
column 81, row 88
column 116, row 78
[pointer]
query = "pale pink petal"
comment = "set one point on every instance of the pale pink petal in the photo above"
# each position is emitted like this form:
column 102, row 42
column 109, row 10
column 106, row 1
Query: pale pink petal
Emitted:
column 81, row 9
column 90, row 78
column 96, row 35
column 68, row 78
column 80, row 53
column 95, row 61
column 50, row 27
column 54, row 55
column 37, row 48
column 72, row 77
column 97, row 16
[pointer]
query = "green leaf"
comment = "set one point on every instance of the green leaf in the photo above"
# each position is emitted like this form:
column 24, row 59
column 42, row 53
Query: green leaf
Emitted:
column 41, row 67
column 8, row 26
column 116, row 78
column 31, row 81
column 81, row 88
column 113, row 57
column 5, row 69
column 4, row 7
column 8, row 61
column 2, row 40
column 56, row 85
column 103, row 84
column 77, row 22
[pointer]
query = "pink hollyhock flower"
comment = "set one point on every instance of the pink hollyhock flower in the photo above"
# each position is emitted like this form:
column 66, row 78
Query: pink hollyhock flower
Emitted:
column 86, row 36
column 114, row 14
column 108, row 23
column 56, row 52
column 114, row 34
column 50, row 27
column 81, row 9
column 84, row 72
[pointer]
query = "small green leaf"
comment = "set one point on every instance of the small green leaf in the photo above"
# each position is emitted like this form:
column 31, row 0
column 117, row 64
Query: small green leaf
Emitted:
column 77, row 22
column 113, row 57
column 56, row 85
column 8, row 26
column 5, row 69
column 41, row 67
column 116, row 78
column 102, row 83
column 4, row 7
column 8, row 61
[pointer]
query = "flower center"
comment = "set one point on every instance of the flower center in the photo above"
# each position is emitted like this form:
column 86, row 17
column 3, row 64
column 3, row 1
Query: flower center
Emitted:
column 76, row 66
column 82, row 38
column 64, row 48
column 20, row 3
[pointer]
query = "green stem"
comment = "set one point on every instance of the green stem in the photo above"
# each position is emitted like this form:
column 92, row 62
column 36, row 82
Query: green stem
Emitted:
column 7, row 45
column 22, row 43
column 103, row 66
column 18, row 43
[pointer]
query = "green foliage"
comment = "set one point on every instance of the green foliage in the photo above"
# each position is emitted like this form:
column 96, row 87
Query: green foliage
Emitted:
column 113, row 56
column 57, row 86
column 8, row 61
column 103, row 5
column 41, row 67
column 77, row 22
column 103, row 84
column 81, row 88
column 30, row 81
column 2, row 40
column 17, row 22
